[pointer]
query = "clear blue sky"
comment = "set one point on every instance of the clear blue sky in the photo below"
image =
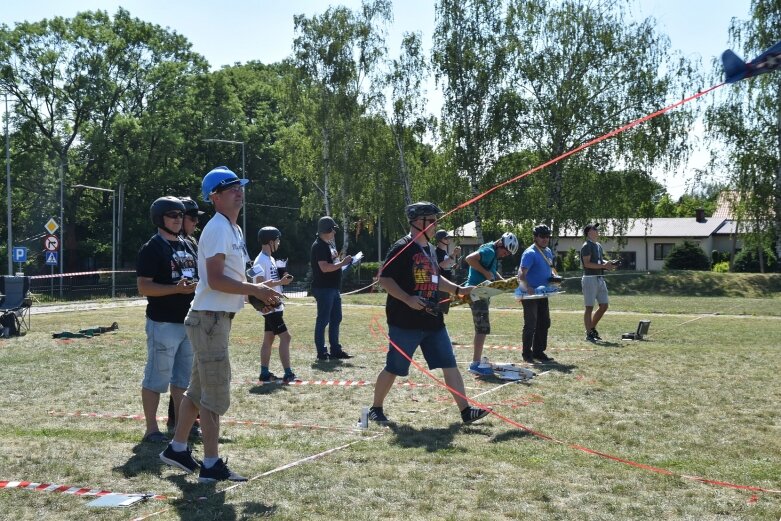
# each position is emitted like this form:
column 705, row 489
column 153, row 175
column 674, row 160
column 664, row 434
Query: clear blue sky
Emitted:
column 230, row 31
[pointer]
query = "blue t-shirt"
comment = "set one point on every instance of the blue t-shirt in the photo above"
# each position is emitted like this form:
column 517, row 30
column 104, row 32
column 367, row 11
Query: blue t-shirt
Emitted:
column 539, row 268
column 488, row 261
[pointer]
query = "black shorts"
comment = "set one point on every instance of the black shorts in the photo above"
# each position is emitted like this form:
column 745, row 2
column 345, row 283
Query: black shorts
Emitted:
column 275, row 323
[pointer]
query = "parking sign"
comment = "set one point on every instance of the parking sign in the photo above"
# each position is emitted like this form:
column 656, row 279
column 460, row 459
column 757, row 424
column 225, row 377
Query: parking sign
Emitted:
column 20, row 254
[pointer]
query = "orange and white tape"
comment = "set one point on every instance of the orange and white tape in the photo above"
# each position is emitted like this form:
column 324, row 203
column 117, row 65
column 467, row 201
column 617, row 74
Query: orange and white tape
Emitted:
column 68, row 489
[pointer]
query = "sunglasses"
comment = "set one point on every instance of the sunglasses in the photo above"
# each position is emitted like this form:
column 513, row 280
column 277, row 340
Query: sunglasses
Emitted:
column 174, row 215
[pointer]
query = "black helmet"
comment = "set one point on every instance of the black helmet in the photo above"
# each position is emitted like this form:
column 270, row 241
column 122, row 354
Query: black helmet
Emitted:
column 163, row 205
column 326, row 224
column 190, row 206
column 421, row 209
column 268, row 234
column 441, row 234
column 541, row 230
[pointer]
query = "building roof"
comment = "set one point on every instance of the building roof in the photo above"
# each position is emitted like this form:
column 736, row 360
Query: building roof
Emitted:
column 724, row 204
column 687, row 227
column 682, row 227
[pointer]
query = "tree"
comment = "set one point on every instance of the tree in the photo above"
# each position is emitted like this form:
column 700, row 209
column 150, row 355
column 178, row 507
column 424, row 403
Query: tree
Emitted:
column 82, row 83
column 578, row 69
column 469, row 59
column 335, row 53
column 748, row 124
column 407, row 121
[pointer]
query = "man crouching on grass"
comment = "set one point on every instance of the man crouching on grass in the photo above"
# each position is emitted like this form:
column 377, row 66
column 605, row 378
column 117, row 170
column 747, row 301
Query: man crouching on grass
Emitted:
column 222, row 260
column 414, row 319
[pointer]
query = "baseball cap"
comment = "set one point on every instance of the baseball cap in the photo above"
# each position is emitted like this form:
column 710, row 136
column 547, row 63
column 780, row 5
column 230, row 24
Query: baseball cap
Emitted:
column 589, row 227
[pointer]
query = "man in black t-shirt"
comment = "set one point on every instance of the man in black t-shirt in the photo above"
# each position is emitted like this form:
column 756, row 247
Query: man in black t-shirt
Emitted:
column 412, row 279
column 167, row 273
column 326, row 280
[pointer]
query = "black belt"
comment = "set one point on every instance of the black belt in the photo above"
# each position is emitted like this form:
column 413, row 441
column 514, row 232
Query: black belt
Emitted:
column 229, row 314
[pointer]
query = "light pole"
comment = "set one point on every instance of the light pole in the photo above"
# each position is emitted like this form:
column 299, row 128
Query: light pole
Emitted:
column 113, row 233
column 8, row 187
column 244, row 208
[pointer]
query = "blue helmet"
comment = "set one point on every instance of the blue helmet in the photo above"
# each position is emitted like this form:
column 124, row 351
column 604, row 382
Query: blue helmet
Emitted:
column 219, row 178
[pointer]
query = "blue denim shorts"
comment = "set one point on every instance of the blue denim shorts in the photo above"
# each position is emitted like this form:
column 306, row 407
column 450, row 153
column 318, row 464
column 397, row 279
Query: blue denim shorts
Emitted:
column 169, row 356
column 435, row 345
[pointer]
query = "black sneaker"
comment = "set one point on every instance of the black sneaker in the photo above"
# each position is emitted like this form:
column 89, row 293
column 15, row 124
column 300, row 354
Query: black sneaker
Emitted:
column 268, row 377
column 323, row 357
column 542, row 357
column 219, row 472
column 184, row 459
column 377, row 415
column 595, row 334
column 289, row 378
column 527, row 357
column 340, row 355
column 590, row 336
column 472, row 414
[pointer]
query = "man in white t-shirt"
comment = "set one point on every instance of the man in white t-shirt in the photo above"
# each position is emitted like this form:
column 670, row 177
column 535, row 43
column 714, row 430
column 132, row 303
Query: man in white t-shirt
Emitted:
column 222, row 262
column 265, row 270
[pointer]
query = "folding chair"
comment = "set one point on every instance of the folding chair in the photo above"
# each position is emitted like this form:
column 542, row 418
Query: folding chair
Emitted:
column 15, row 304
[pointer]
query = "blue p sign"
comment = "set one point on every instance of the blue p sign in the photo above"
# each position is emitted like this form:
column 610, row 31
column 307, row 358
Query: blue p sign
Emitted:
column 20, row 254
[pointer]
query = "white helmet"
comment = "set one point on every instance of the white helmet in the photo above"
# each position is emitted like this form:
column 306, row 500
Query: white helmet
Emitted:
column 510, row 242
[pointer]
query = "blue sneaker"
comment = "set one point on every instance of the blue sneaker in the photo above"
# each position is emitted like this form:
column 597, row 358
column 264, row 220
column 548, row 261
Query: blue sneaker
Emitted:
column 481, row 368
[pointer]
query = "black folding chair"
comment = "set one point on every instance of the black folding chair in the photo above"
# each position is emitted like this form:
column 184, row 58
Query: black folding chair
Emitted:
column 15, row 305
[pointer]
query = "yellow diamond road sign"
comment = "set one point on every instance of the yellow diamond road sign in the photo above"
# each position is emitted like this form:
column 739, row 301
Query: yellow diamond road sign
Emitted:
column 51, row 226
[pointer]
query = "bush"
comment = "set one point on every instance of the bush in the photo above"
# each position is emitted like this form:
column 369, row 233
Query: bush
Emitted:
column 571, row 261
column 721, row 267
column 687, row 256
column 717, row 256
column 747, row 261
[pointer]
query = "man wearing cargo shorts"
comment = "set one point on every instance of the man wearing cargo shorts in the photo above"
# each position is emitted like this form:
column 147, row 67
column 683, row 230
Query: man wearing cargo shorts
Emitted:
column 222, row 261
column 593, row 281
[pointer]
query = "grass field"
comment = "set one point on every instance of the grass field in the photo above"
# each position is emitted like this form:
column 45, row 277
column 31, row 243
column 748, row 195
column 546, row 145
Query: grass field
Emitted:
column 699, row 398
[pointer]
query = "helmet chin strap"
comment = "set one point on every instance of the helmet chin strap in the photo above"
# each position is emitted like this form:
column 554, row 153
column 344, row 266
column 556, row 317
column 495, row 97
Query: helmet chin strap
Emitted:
column 423, row 232
column 171, row 231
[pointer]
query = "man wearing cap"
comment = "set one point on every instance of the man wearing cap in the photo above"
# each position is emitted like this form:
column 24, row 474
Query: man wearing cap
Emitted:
column 535, row 270
column 593, row 281
column 411, row 278
column 219, row 294
column 447, row 262
column 326, row 281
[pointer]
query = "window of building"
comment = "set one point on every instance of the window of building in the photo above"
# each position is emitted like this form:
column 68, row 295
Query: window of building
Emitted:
column 662, row 250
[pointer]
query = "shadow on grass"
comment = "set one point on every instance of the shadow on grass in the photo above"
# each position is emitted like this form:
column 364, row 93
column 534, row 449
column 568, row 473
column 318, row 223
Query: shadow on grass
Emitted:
column 145, row 459
column 203, row 501
column 329, row 366
column 267, row 389
column 554, row 366
column 429, row 438
column 513, row 434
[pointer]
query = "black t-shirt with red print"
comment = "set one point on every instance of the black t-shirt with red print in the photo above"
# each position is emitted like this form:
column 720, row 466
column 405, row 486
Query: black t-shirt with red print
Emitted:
column 415, row 271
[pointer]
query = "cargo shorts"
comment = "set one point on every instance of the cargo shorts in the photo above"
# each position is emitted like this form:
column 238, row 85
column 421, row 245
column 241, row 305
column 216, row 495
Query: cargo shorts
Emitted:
column 211, row 372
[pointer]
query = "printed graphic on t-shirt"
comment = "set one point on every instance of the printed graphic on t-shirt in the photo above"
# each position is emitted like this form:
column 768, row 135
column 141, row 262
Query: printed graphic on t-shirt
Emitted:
column 423, row 273
column 183, row 265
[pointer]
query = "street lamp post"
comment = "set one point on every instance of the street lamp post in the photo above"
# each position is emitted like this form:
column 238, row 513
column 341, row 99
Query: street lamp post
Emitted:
column 244, row 209
column 113, row 233
column 8, row 188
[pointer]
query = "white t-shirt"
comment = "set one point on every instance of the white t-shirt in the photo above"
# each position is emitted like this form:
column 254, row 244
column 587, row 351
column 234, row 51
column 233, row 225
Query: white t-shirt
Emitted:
column 220, row 237
column 265, row 266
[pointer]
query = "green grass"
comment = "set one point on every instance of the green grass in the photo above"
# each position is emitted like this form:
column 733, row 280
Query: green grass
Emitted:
column 699, row 397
